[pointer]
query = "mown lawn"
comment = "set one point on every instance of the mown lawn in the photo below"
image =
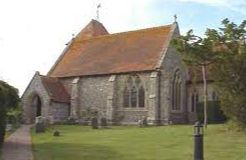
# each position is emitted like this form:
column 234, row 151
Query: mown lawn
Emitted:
column 134, row 143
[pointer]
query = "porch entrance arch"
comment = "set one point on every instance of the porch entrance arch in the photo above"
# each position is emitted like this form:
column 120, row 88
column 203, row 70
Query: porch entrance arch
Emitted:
column 36, row 103
column 36, row 107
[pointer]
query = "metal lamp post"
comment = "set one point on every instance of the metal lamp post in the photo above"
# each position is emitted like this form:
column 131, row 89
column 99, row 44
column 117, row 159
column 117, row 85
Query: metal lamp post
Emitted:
column 198, row 141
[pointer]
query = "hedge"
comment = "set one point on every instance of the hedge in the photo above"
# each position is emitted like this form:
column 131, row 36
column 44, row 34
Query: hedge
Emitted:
column 215, row 114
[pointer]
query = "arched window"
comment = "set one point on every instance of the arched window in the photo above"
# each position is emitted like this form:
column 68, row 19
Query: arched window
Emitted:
column 129, row 81
column 176, row 91
column 141, row 97
column 137, row 81
column 134, row 97
column 192, row 102
column 134, row 93
column 126, row 97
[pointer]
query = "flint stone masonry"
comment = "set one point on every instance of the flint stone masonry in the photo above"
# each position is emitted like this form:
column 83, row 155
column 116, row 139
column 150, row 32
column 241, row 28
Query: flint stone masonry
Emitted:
column 104, row 94
column 35, row 88
column 101, row 90
column 52, row 111
column 60, row 112
column 91, row 93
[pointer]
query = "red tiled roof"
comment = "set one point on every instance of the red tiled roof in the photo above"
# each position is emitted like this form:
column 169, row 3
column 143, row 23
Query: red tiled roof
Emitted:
column 55, row 89
column 114, row 53
column 93, row 29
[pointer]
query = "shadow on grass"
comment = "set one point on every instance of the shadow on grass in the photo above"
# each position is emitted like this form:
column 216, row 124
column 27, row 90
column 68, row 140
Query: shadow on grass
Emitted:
column 68, row 151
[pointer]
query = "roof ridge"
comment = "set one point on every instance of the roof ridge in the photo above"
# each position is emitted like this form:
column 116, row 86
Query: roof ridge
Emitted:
column 125, row 32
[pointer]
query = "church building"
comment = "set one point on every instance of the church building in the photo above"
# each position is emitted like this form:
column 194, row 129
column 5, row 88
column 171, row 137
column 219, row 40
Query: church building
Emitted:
column 122, row 77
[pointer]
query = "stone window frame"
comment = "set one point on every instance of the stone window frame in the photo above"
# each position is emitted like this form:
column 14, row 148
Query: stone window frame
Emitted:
column 176, row 90
column 133, row 85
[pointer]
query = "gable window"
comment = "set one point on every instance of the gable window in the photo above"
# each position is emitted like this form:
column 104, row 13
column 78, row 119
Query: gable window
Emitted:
column 176, row 91
column 134, row 93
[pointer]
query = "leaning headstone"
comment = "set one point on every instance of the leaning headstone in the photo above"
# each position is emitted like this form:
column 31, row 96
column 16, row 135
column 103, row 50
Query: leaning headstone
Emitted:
column 40, row 124
column 104, row 123
column 140, row 123
column 94, row 123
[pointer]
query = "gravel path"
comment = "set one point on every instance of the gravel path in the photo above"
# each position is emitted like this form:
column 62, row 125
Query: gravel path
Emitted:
column 18, row 146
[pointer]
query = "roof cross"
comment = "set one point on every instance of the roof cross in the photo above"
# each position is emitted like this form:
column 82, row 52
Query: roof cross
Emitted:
column 98, row 6
column 175, row 18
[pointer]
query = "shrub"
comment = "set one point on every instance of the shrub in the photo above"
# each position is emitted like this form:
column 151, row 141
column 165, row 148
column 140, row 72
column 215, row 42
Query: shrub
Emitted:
column 215, row 114
column 56, row 134
column 8, row 99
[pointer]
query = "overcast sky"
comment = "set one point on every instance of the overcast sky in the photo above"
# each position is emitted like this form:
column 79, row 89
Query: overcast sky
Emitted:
column 33, row 33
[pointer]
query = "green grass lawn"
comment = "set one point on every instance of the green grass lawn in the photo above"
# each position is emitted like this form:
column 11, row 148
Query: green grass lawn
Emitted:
column 134, row 143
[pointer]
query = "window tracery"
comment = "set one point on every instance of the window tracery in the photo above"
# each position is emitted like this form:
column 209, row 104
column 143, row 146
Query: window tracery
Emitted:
column 176, row 91
column 134, row 93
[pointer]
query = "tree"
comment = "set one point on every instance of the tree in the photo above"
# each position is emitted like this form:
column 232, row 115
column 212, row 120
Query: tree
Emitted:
column 196, row 53
column 229, row 42
column 8, row 99
column 224, row 52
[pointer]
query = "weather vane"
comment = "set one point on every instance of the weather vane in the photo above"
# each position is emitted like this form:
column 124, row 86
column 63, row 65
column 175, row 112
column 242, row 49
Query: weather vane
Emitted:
column 175, row 18
column 98, row 6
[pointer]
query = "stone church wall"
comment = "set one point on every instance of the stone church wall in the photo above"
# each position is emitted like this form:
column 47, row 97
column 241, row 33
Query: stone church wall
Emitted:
column 35, row 88
column 105, row 94
column 60, row 112
column 131, row 115
column 93, row 94
column 172, row 62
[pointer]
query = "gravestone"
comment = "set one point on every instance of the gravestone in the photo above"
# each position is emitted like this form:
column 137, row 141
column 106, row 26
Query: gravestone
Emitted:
column 143, row 122
column 40, row 124
column 94, row 123
column 104, row 123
